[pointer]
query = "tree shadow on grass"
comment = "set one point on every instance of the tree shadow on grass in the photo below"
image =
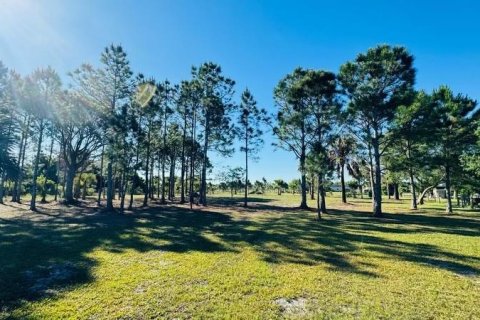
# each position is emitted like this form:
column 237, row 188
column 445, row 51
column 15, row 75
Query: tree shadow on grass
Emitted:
column 237, row 201
column 298, row 238
column 41, row 254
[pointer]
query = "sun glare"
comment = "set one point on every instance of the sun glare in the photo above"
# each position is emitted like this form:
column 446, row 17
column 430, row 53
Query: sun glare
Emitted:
column 27, row 27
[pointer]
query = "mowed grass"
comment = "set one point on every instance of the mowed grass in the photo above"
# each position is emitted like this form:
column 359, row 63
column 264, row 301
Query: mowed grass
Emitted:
column 223, row 261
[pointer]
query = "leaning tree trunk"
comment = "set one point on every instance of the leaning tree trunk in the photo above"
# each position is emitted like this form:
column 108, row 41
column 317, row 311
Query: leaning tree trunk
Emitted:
column 424, row 192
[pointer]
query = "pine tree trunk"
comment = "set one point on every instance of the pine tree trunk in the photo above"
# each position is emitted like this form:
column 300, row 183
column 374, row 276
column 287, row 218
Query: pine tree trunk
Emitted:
column 21, row 155
column 372, row 183
column 321, row 203
column 245, row 202
column 159, row 169
column 312, row 187
column 396, row 193
column 377, row 203
column 319, row 212
column 123, row 190
column 70, row 176
column 44, row 189
column 173, row 177
column 84, row 190
column 342, row 181
column 151, row 178
column 387, row 189
column 2, row 187
column 413, row 191
column 449, row 209
column 109, row 186
column 203, row 188
column 78, row 187
column 132, row 187
column 182, row 169
column 33, row 206
column 102, row 181
column 114, row 181
column 146, row 191
column 303, row 204
column 163, row 180
column 57, row 174
column 412, row 179
column 192, row 158
column 64, row 182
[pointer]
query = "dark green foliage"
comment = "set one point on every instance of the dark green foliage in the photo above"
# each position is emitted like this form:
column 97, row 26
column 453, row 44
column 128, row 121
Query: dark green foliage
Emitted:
column 307, row 111
column 453, row 130
column 8, row 129
column 376, row 84
column 215, row 112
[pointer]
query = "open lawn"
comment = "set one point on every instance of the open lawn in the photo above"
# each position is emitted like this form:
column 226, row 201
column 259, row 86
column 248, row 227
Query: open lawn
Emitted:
column 223, row 261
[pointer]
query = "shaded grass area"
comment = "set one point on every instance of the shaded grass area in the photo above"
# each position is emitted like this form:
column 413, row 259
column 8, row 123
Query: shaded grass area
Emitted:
column 224, row 261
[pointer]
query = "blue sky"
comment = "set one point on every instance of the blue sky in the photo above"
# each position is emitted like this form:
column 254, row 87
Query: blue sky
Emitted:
column 256, row 42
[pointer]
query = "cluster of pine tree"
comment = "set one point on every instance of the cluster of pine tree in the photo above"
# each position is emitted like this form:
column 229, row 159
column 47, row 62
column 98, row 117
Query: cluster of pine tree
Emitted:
column 369, row 119
column 122, row 133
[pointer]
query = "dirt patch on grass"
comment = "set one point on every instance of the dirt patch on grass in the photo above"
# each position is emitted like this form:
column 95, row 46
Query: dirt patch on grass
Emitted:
column 43, row 280
column 296, row 307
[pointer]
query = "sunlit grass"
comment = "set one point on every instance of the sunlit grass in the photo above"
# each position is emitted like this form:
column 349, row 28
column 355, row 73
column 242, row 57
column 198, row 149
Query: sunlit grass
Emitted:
column 228, row 262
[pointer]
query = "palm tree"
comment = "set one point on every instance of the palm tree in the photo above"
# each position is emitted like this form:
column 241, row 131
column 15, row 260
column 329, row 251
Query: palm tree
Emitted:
column 343, row 147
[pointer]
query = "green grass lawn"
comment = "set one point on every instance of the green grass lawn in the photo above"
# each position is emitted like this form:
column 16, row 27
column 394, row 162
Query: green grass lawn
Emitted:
column 223, row 261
